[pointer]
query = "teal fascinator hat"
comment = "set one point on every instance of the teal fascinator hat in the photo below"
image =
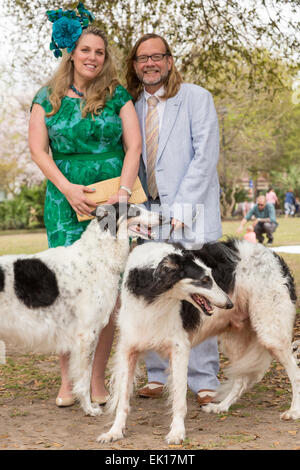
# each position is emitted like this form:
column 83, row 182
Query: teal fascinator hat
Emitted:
column 67, row 27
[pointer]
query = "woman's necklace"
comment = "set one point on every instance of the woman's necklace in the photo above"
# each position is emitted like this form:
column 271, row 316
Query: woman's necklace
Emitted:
column 76, row 91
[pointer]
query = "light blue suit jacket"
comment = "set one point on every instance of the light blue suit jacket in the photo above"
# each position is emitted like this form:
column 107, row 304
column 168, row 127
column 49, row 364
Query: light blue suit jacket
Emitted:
column 186, row 164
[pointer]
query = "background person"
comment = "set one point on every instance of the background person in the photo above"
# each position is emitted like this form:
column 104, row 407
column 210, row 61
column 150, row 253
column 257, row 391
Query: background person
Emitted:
column 265, row 220
column 250, row 235
column 83, row 114
column 179, row 166
column 289, row 203
column 297, row 206
column 271, row 197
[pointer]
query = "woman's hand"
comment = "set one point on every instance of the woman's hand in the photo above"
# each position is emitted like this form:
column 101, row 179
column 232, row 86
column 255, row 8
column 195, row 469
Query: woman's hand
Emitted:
column 120, row 196
column 75, row 195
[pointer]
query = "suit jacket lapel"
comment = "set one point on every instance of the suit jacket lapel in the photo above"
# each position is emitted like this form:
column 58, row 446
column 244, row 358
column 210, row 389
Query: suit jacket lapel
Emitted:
column 140, row 109
column 169, row 118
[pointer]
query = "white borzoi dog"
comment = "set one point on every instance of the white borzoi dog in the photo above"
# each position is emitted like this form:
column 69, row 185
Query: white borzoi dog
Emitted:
column 59, row 300
column 159, row 284
column 155, row 316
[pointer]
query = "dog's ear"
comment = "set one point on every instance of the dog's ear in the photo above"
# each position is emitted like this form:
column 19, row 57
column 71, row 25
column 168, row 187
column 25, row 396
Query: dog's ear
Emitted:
column 133, row 210
column 173, row 261
column 170, row 270
column 100, row 212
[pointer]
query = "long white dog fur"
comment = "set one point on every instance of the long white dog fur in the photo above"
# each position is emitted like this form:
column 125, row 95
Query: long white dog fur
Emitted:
column 155, row 315
column 59, row 300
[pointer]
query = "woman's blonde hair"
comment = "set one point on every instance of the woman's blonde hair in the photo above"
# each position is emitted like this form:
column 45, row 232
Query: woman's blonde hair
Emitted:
column 98, row 90
column 135, row 86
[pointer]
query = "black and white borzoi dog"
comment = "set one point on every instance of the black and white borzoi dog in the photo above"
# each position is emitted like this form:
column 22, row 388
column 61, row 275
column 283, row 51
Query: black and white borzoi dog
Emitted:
column 157, row 313
column 59, row 300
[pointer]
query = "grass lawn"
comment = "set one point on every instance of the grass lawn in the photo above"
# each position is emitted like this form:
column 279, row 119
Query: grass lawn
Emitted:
column 287, row 233
column 18, row 242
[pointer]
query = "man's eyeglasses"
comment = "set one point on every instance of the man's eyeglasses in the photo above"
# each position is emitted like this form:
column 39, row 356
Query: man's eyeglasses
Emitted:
column 261, row 205
column 142, row 59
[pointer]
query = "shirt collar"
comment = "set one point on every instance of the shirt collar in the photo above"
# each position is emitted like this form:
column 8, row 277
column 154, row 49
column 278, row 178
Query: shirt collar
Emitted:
column 158, row 93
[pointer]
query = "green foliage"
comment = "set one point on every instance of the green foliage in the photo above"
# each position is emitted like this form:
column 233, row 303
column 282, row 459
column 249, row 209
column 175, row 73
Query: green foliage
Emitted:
column 245, row 53
column 288, row 178
column 288, row 136
column 231, row 195
column 209, row 38
column 25, row 210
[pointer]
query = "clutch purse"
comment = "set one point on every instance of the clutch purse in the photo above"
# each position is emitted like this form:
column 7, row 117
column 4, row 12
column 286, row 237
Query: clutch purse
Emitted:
column 105, row 189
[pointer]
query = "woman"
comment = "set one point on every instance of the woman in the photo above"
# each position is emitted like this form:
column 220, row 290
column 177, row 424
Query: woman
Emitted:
column 271, row 197
column 83, row 113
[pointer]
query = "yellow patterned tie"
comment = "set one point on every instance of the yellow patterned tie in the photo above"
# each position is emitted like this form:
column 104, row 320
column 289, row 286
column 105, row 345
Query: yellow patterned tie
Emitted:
column 152, row 132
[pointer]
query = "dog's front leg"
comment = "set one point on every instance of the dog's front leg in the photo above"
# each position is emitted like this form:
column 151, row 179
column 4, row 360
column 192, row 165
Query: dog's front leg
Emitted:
column 80, row 370
column 122, row 382
column 179, row 359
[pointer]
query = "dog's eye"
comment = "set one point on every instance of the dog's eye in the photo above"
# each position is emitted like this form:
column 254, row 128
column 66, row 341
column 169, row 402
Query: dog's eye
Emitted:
column 206, row 280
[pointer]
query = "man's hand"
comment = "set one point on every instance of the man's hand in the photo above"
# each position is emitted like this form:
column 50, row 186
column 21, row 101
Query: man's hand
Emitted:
column 177, row 223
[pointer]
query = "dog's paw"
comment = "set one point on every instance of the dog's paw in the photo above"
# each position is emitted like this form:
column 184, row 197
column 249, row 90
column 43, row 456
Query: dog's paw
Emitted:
column 175, row 437
column 93, row 410
column 290, row 414
column 214, row 408
column 110, row 436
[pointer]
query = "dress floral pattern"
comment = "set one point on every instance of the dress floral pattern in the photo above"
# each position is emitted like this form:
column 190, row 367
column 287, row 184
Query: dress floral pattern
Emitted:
column 86, row 150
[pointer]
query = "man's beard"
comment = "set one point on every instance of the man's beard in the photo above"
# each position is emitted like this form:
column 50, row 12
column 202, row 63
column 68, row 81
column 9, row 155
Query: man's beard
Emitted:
column 160, row 80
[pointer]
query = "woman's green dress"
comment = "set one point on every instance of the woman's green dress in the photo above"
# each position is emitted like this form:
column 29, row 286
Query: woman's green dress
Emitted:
column 85, row 150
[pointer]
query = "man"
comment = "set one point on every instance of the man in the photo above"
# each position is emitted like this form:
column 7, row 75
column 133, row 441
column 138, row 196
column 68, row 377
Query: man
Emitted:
column 265, row 221
column 178, row 170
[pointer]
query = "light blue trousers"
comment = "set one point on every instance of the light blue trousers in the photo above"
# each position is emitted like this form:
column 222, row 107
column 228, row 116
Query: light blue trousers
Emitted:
column 203, row 363
column 202, row 370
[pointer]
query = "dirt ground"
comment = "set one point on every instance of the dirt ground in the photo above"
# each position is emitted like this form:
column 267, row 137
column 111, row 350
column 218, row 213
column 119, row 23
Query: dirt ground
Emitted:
column 29, row 418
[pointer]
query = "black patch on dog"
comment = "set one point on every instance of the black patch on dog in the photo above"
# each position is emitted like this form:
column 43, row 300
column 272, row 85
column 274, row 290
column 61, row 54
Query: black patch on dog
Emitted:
column 140, row 281
column 151, row 283
column 222, row 258
column 2, row 279
column 35, row 284
column 190, row 316
column 290, row 282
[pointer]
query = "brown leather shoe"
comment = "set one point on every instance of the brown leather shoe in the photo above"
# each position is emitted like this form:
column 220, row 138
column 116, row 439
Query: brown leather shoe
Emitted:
column 151, row 390
column 205, row 396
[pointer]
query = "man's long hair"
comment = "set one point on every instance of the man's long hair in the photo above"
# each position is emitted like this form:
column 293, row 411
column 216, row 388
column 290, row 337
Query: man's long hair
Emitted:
column 134, row 85
column 98, row 90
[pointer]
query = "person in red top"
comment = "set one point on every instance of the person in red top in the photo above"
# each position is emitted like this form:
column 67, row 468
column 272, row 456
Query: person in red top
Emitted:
column 250, row 235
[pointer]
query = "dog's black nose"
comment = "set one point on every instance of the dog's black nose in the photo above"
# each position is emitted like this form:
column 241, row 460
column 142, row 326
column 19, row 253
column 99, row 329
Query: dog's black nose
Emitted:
column 229, row 304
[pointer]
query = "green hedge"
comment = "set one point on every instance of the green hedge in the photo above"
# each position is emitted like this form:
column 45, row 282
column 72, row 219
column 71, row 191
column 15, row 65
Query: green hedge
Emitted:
column 26, row 210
